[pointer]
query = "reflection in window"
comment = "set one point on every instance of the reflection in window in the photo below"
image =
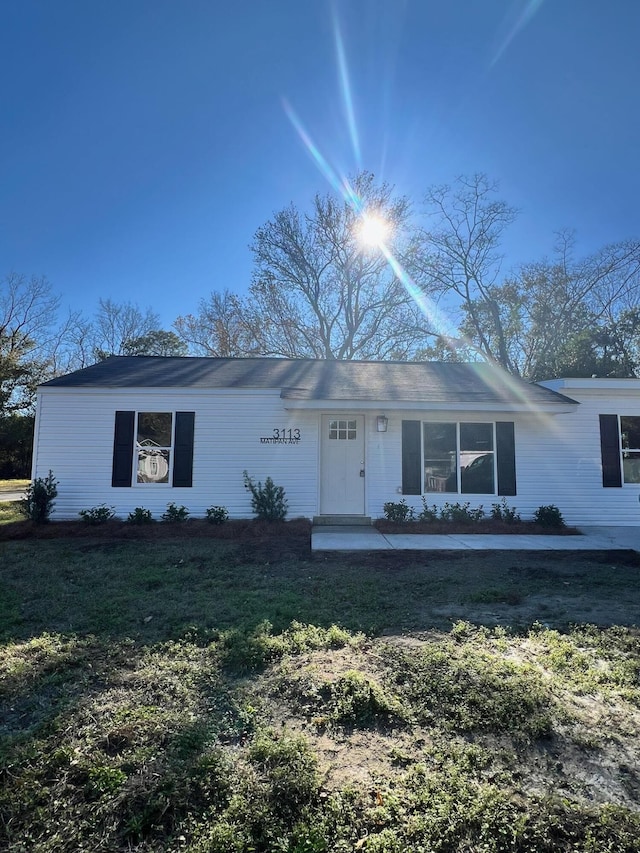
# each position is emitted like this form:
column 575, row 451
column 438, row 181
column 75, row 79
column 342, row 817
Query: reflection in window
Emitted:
column 459, row 458
column 154, row 436
column 630, row 442
column 440, row 458
column 476, row 459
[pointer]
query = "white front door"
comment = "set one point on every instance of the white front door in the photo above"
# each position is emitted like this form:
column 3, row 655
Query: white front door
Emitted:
column 342, row 465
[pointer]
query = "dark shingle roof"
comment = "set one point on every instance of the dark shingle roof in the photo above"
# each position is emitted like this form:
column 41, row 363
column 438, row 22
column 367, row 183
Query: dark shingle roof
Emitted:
column 302, row 379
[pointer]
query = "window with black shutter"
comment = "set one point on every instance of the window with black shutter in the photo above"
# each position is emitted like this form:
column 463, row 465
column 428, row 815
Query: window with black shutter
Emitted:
column 458, row 458
column 153, row 448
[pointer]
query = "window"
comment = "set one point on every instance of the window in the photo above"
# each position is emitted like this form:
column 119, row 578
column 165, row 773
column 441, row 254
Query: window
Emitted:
column 342, row 430
column 153, row 447
column 459, row 458
column 630, row 444
column 154, row 437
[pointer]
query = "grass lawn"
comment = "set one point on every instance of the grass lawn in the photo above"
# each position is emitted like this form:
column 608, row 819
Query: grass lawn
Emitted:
column 180, row 688
column 13, row 485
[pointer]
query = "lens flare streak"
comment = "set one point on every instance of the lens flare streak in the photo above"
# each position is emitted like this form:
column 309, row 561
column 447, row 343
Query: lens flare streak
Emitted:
column 437, row 320
column 345, row 87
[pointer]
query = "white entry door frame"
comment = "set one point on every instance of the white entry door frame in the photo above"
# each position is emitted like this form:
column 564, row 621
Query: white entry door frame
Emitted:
column 342, row 465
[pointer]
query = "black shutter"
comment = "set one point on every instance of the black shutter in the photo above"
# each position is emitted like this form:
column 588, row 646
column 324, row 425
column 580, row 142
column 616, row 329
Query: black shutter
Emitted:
column 121, row 471
column 183, row 451
column 411, row 458
column 610, row 450
column 506, row 457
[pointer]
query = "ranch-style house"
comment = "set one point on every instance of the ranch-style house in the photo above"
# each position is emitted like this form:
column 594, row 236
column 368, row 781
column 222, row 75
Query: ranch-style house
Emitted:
column 341, row 437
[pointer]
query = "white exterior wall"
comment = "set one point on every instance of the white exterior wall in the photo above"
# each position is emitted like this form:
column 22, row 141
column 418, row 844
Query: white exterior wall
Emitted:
column 580, row 469
column 557, row 456
column 558, row 462
column 74, row 439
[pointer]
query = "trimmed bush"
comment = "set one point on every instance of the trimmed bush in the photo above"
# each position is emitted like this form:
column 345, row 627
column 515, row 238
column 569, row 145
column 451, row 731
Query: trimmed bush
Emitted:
column 40, row 498
column 549, row 516
column 428, row 513
column 461, row 513
column 174, row 514
column 97, row 514
column 217, row 514
column 503, row 512
column 140, row 515
column 267, row 502
column 398, row 511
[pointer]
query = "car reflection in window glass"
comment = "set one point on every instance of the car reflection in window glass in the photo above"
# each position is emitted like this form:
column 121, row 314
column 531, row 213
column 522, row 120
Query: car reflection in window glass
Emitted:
column 477, row 478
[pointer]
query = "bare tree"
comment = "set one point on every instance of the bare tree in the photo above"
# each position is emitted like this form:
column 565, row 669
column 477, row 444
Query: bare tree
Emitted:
column 117, row 324
column 29, row 337
column 461, row 257
column 220, row 328
column 317, row 291
column 526, row 320
column 549, row 309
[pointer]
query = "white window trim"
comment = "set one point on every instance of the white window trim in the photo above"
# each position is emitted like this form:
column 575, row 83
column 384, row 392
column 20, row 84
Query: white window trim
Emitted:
column 136, row 450
column 624, row 450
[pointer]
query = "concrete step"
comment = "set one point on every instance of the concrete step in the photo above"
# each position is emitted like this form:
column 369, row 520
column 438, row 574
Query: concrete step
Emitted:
column 342, row 520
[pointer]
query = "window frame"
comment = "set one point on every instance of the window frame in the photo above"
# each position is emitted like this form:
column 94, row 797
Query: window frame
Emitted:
column 124, row 466
column 626, row 451
column 137, row 449
column 458, row 454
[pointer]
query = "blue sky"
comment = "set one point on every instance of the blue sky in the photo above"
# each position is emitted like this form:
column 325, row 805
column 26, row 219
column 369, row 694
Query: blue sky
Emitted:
column 144, row 142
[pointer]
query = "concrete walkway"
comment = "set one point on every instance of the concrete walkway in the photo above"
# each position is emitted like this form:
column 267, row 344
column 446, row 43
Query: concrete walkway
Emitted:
column 360, row 538
column 12, row 496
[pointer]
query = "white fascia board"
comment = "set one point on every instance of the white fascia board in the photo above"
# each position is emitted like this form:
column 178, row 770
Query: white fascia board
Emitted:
column 407, row 406
column 591, row 384
column 115, row 390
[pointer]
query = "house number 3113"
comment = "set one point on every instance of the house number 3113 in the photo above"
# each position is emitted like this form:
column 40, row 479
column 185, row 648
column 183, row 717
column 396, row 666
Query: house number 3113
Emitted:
column 287, row 433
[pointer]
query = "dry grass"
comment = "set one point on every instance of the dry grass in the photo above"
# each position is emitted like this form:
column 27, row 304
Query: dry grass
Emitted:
column 13, row 485
column 146, row 703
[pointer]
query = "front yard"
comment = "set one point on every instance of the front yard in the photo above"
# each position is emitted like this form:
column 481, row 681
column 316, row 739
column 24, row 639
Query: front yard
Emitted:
column 167, row 692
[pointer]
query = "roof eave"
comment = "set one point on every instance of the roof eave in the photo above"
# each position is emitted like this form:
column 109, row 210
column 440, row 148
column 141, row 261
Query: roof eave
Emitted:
column 553, row 408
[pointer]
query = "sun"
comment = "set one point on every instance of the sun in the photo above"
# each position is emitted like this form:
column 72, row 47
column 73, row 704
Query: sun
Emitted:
column 373, row 230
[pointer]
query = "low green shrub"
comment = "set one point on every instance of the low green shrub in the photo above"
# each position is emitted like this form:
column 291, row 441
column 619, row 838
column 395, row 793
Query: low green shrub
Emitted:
column 428, row 513
column 140, row 515
column 503, row 512
column 398, row 511
column 39, row 500
column 174, row 514
column 268, row 502
column 549, row 516
column 217, row 514
column 97, row 514
column 458, row 512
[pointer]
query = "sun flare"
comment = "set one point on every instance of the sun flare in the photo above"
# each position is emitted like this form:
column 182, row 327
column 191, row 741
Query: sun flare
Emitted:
column 373, row 230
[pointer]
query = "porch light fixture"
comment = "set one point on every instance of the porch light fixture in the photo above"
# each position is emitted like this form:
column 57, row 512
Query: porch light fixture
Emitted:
column 381, row 423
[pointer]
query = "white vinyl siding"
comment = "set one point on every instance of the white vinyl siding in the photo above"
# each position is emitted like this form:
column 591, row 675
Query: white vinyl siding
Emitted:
column 76, row 430
column 558, row 457
column 558, row 461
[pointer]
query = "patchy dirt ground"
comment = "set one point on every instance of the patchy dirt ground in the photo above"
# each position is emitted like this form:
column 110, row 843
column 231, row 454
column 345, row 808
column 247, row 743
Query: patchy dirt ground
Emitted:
column 592, row 756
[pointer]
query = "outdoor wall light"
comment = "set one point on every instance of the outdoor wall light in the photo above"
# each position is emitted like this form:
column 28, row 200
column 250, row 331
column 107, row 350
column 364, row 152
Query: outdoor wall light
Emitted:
column 381, row 423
